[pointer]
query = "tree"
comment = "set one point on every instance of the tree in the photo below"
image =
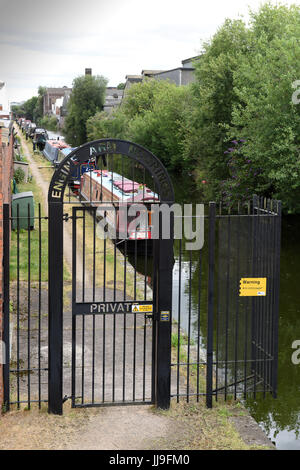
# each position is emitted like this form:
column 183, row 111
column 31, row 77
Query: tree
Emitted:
column 39, row 108
column 266, row 116
column 244, row 131
column 86, row 100
column 33, row 108
column 29, row 107
column 152, row 114
column 215, row 95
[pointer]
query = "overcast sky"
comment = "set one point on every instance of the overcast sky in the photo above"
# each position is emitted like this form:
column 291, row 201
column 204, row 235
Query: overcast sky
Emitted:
column 50, row 42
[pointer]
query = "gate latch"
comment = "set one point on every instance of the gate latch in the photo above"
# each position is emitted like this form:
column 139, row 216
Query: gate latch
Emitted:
column 148, row 318
column 66, row 217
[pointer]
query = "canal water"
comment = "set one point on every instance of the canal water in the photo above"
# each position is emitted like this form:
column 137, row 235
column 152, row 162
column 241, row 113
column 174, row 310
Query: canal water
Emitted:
column 280, row 417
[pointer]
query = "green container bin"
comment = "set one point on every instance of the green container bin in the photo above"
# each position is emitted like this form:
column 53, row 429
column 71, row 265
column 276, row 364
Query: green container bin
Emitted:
column 22, row 200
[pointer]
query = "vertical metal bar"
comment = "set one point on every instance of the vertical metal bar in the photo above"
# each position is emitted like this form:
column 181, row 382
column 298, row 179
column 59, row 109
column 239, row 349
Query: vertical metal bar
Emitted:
column 94, row 288
column 6, row 319
column 125, row 267
column 199, row 318
column 134, row 321
column 83, row 316
column 55, row 291
column 189, row 329
column 269, row 276
column 237, row 307
column 210, row 303
column 265, row 300
column 227, row 300
column 179, row 321
column 18, row 305
column 146, row 265
column 164, row 322
column 114, row 316
column 248, row 268
column 145, row 298
column 74, row 298
column 144, row 357
column 155, row 318
column 272, row 300
column 94, row 251
column 124, row 323
column 219, row 285
column 276, row 305
column 39, row 305
column 28, row 308
column 104, row 264
column 255, row 214
column 134, row 357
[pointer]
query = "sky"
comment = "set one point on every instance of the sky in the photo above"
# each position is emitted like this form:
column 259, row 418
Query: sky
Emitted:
column 49, row 43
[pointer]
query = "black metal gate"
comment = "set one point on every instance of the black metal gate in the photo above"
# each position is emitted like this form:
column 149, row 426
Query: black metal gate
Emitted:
column 132, row 340
column 113, row 332
column 107, row 367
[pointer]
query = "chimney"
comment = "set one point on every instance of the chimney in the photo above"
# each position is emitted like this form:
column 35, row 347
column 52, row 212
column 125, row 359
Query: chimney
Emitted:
column 88, row 71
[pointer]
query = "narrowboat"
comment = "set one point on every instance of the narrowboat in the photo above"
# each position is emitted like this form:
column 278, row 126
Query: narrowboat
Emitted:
column 113, row 188
column 30, row 130
column 56, row 150
column 40, row 137
column 52, row 150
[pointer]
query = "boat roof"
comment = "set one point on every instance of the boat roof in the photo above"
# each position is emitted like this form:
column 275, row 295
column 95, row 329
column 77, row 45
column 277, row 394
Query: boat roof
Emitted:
column 57, row 144
column 124, row 188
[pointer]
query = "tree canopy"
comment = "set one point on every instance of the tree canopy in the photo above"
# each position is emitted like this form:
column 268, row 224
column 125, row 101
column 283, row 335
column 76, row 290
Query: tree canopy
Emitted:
column 153, row 114
column 247, row 138
column 236, row 128
column 87, row 98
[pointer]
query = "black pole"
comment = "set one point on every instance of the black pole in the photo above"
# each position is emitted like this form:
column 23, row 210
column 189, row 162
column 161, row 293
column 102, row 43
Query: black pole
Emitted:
column 55, row 309
column 6, row 237
column 210, row 303
column 276, row 304
column 164, row 318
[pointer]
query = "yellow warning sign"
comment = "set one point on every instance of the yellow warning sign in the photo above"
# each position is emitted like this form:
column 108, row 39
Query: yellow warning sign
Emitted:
column 142, row 308
column 253, row 286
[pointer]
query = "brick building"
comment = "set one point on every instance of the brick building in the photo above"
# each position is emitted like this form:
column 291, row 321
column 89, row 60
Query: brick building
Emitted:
column 6, row 174
column 51, row 95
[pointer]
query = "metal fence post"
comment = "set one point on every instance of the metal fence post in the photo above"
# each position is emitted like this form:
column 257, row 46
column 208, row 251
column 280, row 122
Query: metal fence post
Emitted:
column 55, row 341
column 6, row 365
column 210, row 303
column 276, row 303
column 164, row 318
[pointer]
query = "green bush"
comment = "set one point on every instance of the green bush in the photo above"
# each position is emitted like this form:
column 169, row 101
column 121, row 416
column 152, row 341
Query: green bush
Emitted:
column 48, row 122
column 19, row 175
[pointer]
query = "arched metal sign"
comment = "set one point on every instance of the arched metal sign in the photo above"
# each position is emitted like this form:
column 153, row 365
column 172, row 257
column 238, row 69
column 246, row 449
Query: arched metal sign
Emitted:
column 103, row 147
column 162, row 276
